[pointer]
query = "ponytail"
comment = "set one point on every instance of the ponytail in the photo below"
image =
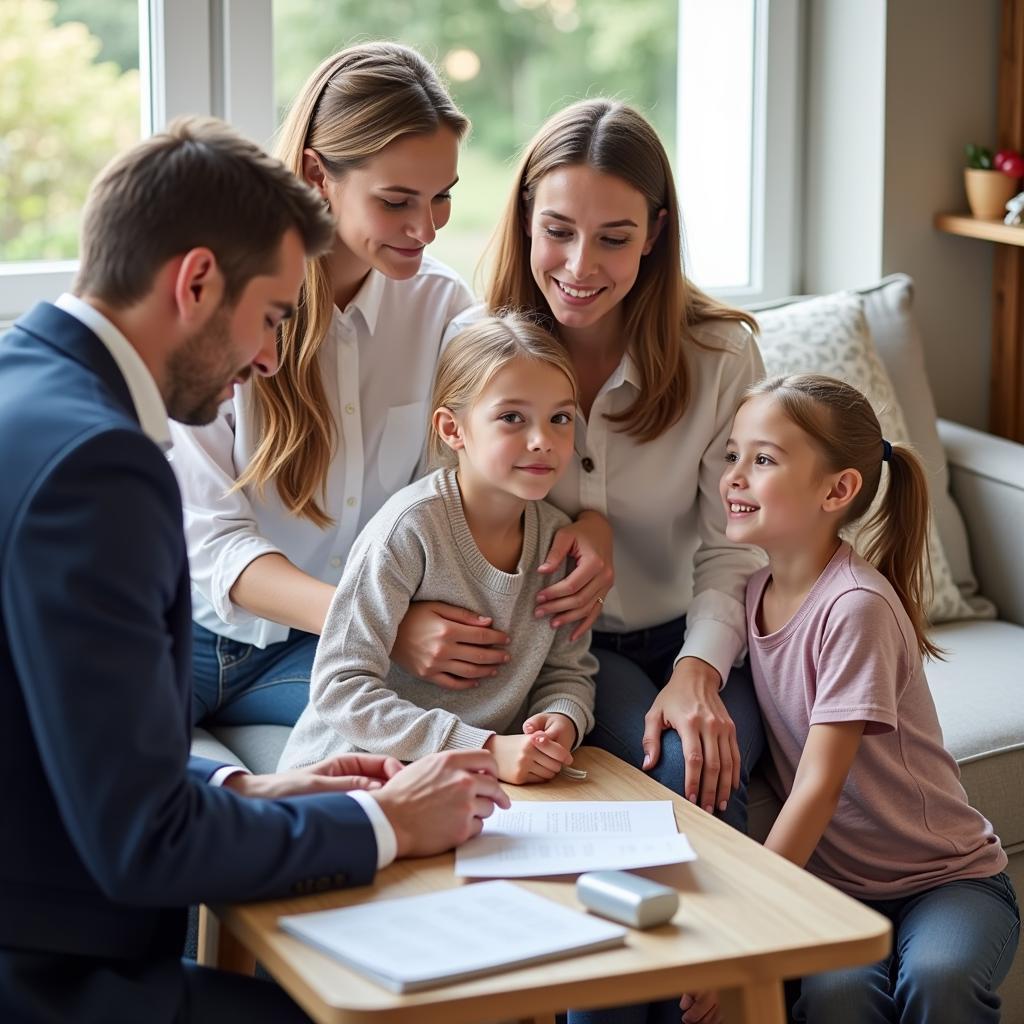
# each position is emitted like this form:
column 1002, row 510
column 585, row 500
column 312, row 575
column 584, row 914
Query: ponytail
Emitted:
column 898, row 547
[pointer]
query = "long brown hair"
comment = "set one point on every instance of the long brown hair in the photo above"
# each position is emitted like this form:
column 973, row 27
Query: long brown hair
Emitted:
column 840, row 422
column 663, row 306
column 353, row 106
column 477, row 353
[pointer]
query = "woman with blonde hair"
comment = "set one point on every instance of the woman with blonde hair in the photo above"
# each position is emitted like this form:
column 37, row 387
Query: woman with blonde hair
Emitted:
column 277, row 488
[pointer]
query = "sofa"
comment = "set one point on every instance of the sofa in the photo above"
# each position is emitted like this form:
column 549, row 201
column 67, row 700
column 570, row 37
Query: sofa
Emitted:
column 978, row 496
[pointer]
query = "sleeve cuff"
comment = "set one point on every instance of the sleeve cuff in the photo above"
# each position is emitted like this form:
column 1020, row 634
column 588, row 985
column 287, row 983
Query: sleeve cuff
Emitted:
column 229, row 567
column 221, row 775
column 466, row 737
column 383, row 833
column 714, row 642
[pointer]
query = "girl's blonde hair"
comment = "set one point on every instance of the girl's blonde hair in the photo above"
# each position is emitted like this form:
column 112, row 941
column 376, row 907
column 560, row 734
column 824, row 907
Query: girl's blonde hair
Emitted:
column 354, row 105
column 476, row 354
column 840, row 422
column 662, row 306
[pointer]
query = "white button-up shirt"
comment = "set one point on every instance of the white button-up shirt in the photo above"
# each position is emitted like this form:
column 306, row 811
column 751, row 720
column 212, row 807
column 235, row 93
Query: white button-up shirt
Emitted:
column 377, row 367
column 661, row 497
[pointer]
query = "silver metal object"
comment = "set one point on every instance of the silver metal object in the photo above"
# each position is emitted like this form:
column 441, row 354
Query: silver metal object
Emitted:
column 627, row 898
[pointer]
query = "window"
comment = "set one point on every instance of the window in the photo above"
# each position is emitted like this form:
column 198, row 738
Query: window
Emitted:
column 719, row 79
column 509, row 64
column 71, row 100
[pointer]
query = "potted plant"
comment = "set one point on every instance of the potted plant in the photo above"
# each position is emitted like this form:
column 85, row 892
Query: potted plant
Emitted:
column 990, row 181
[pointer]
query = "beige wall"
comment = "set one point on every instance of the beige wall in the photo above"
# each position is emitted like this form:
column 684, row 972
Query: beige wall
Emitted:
column 895, row 89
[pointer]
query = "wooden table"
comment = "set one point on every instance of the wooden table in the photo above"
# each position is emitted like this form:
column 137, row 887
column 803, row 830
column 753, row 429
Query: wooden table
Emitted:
column 747, row 919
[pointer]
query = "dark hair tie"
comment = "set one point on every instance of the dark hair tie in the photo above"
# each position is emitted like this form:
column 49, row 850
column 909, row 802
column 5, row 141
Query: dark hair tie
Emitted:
column 886, row 450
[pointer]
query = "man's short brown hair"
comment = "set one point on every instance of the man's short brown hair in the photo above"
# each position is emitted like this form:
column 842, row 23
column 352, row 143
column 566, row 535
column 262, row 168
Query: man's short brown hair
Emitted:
column 197, row 184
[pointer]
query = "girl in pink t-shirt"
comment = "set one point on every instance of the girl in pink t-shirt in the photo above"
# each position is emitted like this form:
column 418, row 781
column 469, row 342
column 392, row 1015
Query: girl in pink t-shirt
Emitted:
column 873, row 803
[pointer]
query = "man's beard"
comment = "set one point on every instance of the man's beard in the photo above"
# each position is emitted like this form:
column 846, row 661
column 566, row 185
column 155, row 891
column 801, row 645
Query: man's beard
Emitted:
column 199, row 370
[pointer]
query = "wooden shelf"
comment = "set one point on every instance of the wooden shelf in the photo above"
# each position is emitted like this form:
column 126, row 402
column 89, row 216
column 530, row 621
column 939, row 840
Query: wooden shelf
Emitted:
column 971, row 227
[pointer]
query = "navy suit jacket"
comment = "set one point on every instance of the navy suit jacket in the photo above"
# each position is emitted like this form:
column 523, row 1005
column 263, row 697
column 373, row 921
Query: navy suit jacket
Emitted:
column 109, row 829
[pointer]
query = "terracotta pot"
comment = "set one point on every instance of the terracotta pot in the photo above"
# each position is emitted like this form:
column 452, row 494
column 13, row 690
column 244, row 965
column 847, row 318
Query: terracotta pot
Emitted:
column 988, row 192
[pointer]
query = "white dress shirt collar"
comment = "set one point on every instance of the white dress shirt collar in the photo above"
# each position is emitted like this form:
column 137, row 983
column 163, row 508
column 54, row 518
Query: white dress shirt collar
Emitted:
column 149, row 405
column 368, row 299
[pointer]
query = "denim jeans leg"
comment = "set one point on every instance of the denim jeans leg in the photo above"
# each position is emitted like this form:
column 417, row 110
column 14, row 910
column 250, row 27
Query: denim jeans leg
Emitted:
column 853, row 995
column 955, row 945
column 235, row 683
column 205, row 674
column 625, row 693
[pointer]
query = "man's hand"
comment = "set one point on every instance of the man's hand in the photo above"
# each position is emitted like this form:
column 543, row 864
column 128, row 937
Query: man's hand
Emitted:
column 532, row 757
column 440, row 801
column 553, row 724
column 335, row 775
column 449, row 646
column 690, row 704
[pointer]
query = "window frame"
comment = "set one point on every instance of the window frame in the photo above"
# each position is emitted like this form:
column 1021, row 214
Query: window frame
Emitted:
column 215, row 57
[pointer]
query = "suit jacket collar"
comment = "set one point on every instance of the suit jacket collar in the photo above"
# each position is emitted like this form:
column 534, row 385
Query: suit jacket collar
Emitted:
column 62, row 331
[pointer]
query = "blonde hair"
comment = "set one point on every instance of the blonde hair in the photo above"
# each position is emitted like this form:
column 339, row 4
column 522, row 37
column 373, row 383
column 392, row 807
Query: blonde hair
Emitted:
column 840, row 422
column 354, row 105
column 476, row 354
column 662, row 306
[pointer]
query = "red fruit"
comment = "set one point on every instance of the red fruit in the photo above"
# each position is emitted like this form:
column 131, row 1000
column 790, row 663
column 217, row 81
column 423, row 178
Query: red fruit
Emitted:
column 997, row 160
column 1012, row 165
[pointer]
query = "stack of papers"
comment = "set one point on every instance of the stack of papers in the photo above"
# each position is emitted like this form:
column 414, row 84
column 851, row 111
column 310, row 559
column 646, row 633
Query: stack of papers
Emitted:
column 418, row 941
column 558, row 838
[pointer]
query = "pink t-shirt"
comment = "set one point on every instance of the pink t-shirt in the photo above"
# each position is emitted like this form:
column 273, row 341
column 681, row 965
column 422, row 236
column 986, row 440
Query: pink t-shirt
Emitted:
column 903, row 823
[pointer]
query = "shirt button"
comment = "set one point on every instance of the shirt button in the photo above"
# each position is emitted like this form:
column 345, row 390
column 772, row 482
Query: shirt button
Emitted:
column 587, row 463
column 350, row 502
column 336, row 562
column 350, row 408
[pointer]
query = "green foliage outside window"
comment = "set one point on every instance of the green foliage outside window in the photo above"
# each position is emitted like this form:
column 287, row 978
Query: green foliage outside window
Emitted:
column 63, row 114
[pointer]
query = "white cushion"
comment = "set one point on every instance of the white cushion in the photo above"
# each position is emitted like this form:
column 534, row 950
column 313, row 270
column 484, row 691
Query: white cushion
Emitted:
column 888, row 308
column 830, row 335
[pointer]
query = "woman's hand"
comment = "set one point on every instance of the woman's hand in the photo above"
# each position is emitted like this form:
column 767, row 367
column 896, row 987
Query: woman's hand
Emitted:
column 448, row 646
column 690, row 704
column 578, row 597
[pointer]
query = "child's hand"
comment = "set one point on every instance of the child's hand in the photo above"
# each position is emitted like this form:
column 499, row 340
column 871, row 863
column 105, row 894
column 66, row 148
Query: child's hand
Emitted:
column 700, row 1008
column 556, row 726
column 528, row 758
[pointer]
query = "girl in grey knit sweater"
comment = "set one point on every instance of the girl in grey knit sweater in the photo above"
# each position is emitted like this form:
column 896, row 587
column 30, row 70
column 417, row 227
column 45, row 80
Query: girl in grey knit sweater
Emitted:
column 471, row 534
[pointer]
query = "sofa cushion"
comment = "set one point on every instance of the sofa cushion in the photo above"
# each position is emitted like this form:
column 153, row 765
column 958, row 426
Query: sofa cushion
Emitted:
column 830, row 335
column 257, row 746
column 888, row 307
column 977, row 693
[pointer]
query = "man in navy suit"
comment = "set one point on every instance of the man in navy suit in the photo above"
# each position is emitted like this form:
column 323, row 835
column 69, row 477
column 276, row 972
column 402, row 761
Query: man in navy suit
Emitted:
column 193, row 250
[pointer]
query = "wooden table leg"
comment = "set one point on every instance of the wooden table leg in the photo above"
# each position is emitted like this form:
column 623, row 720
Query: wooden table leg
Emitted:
column 219, row 948
column 763, row 1003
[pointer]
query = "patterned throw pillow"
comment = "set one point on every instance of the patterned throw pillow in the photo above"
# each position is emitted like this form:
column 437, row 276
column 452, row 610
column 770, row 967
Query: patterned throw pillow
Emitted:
column 830, row 335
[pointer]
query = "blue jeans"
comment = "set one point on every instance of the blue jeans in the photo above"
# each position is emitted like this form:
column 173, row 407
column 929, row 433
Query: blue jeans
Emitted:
column 633, row 668
column 239, row 684
column 952, row 947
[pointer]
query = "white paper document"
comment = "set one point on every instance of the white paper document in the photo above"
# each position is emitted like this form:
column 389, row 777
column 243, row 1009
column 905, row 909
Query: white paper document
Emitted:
column 539, row 838
column 417, row 941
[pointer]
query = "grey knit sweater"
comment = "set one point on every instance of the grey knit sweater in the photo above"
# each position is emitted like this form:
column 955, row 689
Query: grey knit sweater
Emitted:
column 418, row 547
